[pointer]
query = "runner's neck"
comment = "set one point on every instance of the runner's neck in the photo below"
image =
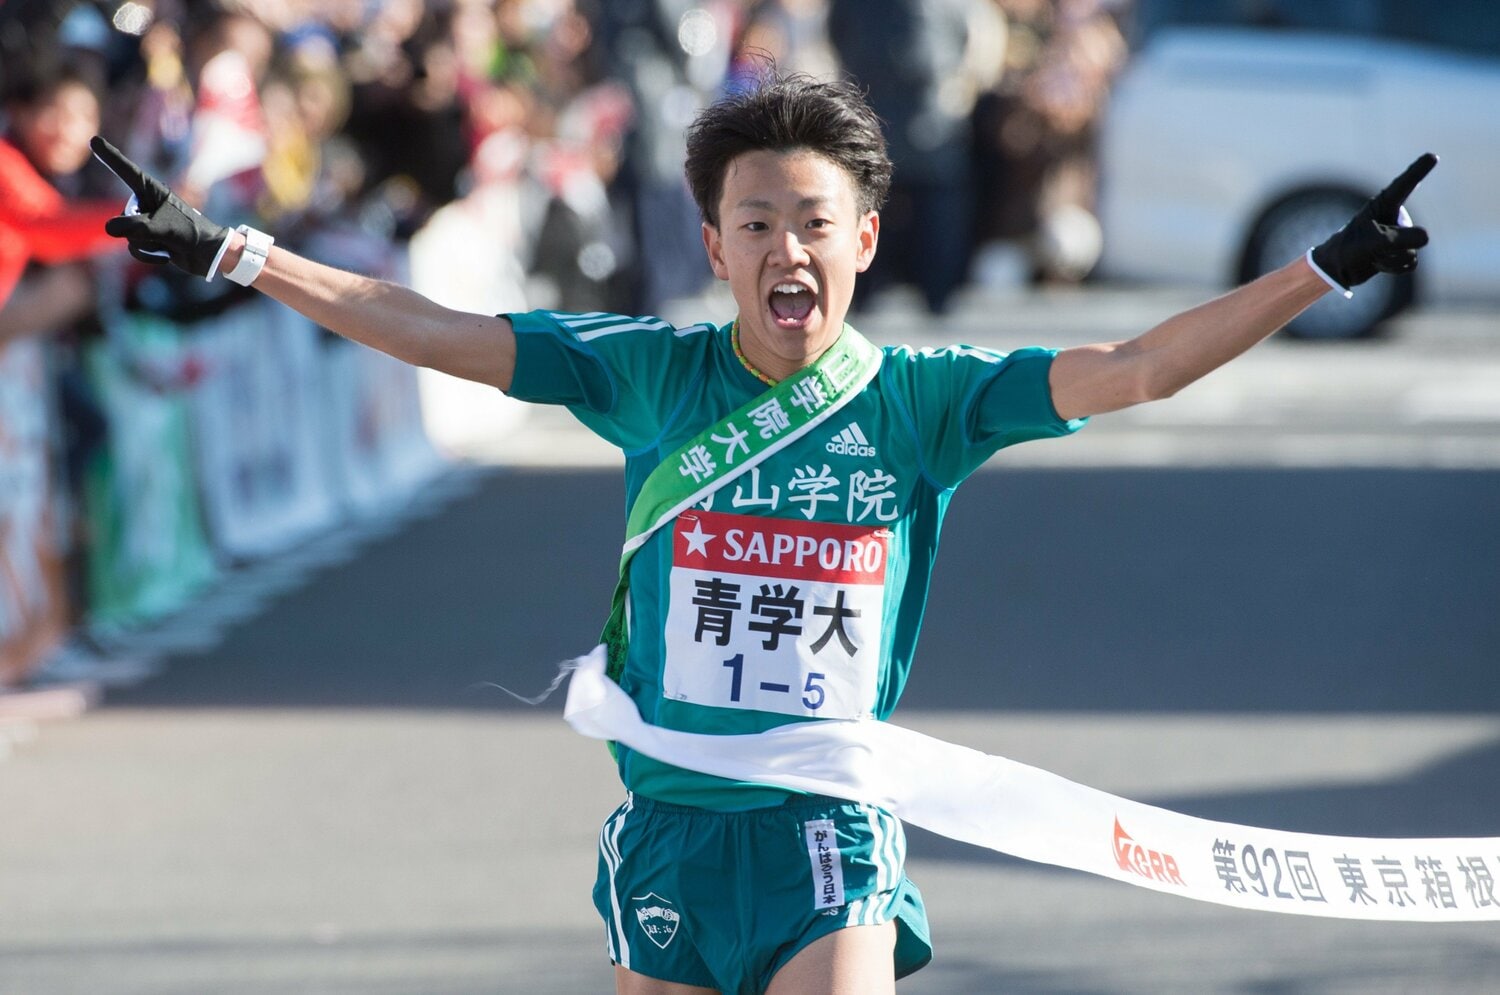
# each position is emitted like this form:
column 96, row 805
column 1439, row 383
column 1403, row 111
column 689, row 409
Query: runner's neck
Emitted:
column 734, row 338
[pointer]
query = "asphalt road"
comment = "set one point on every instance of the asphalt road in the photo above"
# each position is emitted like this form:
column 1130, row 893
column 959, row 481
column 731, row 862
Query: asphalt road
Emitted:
column 330, row 800
column 1290, row 619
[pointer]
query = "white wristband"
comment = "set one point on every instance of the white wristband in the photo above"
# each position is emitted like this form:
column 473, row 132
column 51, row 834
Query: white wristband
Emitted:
column 1326, row 278
column 253, row 259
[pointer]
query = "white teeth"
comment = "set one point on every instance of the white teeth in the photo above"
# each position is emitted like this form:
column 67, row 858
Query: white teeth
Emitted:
column 788, row 288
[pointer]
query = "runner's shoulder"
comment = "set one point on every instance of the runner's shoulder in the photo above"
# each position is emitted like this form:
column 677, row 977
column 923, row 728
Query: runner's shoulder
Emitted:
column 963, row 361
column 954, row 353
column 603, row 331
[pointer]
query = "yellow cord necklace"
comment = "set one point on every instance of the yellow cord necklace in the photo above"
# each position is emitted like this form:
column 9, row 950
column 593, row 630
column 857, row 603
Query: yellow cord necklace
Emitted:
column 734, row 337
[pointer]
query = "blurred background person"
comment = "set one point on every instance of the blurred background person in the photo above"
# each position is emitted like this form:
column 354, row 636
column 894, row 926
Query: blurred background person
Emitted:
column 229, row 56
column 1035, row 137
column 923, row 63
column 673, row 57
column 576, row 129
column 407, row 117
column 46, row 287
column 199, row 118
column 51, row 111
column 791, row 33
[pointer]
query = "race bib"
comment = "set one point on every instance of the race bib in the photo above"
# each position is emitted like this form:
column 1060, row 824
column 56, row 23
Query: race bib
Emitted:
column 775, row 615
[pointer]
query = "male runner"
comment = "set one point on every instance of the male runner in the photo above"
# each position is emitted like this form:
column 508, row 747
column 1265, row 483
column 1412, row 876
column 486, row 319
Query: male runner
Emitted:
column 793, row 591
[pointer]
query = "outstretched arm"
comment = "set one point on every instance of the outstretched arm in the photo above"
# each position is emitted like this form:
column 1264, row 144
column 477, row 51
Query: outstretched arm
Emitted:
column 385, row 316
column 394, row 319
column 1108, row 376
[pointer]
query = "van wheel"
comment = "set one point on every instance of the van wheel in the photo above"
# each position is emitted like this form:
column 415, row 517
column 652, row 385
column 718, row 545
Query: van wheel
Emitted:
column 1296, row 224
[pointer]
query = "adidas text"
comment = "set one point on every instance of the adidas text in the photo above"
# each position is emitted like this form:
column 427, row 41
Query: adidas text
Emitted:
column 850, row 442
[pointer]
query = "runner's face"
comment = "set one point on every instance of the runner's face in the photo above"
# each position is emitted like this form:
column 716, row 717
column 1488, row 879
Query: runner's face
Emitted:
column 789, row 220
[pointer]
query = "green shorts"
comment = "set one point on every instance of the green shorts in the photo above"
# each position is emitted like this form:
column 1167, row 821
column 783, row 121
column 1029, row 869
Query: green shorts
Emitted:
column 725, row 899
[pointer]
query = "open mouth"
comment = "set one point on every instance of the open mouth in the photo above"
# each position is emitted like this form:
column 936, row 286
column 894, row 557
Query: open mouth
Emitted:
column 791, row 304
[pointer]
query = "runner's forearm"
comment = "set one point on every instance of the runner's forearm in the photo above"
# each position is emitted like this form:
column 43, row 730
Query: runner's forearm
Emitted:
column 1093, row 379
column 385, row 316
column 1193, row 344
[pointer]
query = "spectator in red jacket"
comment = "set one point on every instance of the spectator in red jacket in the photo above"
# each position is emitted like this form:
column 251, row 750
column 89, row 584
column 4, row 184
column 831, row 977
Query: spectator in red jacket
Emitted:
column 52, row 112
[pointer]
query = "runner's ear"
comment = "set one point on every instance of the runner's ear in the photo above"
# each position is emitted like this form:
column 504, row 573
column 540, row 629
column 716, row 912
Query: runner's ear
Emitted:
column 713, row 245
column 869, row 240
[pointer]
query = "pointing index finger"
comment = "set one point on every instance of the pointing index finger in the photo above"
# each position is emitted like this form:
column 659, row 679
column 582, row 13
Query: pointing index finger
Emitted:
column 132, row 175
column 1392, row 197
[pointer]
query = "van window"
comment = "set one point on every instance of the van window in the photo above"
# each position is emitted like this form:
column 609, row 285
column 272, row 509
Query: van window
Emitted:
column 1469, row 26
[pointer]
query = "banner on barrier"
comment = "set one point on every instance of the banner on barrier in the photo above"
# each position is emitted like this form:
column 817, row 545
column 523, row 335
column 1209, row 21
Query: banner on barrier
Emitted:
column 33, row 606
column 148, row 551
column 376, row 441
column 257, row 420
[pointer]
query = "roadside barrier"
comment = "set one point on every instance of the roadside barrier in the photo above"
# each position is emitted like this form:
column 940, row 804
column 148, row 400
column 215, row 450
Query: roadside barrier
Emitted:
column 146, row 549
column 229, row 440
column 33, row 606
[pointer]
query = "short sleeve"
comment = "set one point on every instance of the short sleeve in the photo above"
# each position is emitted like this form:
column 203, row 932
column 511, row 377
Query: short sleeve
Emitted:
column 967, row 403
column 620, row 376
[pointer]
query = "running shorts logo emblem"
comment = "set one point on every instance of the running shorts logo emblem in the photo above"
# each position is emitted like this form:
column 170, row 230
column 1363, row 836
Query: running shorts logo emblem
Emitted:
column 1148, row 863
column 850, row 442
column 658, row 920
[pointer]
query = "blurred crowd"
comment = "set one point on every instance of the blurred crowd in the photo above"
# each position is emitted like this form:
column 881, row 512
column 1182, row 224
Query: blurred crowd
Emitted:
column 496, row 154
column 343, row 126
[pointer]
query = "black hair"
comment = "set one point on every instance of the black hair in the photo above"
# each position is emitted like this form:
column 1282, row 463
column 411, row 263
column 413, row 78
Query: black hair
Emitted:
column 35, row 81
column 783, row 113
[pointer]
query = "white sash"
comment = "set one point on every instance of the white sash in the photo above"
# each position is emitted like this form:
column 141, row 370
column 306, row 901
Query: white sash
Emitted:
column 1002, row 805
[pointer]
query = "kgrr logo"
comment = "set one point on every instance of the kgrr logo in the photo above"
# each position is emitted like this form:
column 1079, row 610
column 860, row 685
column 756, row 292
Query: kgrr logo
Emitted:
column 850, row 442
column 1148, row 863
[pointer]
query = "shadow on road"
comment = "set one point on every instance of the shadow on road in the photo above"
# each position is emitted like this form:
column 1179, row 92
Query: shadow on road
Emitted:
column 1113, row 590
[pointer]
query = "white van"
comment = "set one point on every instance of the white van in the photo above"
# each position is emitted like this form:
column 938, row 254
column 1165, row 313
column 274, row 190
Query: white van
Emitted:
column 1244, row 131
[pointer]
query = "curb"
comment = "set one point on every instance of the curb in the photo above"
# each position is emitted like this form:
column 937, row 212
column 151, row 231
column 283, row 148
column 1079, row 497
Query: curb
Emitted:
column 65, row 700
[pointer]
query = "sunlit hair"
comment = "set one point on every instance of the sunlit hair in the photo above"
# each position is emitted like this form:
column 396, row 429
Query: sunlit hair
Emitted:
column 782, row 113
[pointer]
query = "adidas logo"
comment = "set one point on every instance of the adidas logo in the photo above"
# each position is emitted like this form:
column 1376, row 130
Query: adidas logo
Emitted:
column 850, row 442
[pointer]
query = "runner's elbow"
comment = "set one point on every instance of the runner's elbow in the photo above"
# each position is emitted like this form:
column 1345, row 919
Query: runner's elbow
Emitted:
column 1143, row 382
column 1162, row 387
column 1155, row 377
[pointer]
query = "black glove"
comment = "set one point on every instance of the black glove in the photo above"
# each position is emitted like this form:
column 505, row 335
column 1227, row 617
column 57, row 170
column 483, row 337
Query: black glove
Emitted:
column 166, row 228
column 1374, row 240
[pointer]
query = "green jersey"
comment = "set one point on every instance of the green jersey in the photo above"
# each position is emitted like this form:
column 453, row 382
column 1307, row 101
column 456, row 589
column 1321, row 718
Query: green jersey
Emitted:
column 795, row 592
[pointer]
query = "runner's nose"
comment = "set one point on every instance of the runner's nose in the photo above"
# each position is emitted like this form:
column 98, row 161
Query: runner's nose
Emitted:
column 789, row 250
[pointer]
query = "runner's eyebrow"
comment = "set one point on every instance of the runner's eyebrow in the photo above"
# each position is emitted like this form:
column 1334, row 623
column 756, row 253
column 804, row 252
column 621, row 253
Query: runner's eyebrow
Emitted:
column 765, row 205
